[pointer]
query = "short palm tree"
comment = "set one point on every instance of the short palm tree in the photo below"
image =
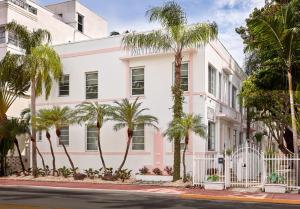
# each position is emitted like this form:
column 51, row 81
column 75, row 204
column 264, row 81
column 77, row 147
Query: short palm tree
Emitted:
column 280, row 34
column 42, row 64
column 130, row 115
column 94, row 113
column 58, row 118
column 182, row 129
column 175, row 36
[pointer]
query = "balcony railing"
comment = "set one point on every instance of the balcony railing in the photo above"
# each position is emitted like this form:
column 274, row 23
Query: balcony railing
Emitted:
column 229, row 113
column 24, row 5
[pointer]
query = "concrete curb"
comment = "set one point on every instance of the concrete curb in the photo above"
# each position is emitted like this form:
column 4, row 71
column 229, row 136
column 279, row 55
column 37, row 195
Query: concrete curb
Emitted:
column 240, row 199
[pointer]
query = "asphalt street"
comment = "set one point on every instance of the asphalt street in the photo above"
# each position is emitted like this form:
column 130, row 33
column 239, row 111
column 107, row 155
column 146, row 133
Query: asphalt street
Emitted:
column 40, row 198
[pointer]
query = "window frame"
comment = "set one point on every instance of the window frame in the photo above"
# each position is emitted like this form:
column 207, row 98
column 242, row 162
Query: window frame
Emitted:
column 133, row 143
column 188, row 75
column 81, row 24
column 61, row 130
column 2, row 34
column 211, row 146
column 86, row 141
column 87, row 73
column 59, row 86
column 40, row 136
column 131, row 80
column 234, row 97
column 214, row 89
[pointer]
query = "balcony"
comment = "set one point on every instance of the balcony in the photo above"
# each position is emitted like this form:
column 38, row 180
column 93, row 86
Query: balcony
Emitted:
column 24, row 5
column 227, row 113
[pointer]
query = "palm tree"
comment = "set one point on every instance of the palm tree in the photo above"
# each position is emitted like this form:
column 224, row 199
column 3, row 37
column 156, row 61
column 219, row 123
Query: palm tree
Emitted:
column 175, row 36
column 58, row 118
column 280, row 33
column 129, row 115
column 182, row 129
column 43, row 125
column 42, row 64
column 94, row 113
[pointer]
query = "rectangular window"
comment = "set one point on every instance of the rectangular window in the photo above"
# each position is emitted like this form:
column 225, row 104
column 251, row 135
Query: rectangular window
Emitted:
column 220, row 86
column 234, row 138
column 2, row 35
column 64, row 85
column 12, row 39
column 138, row 139
column 233, row 97
column 211, row 136
column 64, row 137
column 40, row 133
column 91, row 138
column 212, row 80
column 91, row 85
column 137, row 81
column 184, row 76
column 228, row 96
column 80, row 22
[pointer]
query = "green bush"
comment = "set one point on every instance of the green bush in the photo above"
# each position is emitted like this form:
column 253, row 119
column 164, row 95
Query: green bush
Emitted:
column 275, row 178
column 157, row 171
column 144, row 170
column 123, row 174
column 64, row 171
column 91, row 173
column 169, row 170
column 213, row 178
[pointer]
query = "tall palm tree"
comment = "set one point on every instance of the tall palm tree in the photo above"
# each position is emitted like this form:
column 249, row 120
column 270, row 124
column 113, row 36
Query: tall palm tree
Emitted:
column 94, row 113
column 42, row 64
column 182, row 129
column 175, row 36
column 280, row 33
column 130, row 115
column 58, row 118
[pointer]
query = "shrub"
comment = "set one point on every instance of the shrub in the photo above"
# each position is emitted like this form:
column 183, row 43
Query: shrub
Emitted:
column 79, row 176
column 169, row 170
column 91, row 173
column 213, row 178
column 108, row 175
column 144, row 170
column 123, row 174
column 157, row 171
column 64, row 171
column 40, row 172
column 275, row 178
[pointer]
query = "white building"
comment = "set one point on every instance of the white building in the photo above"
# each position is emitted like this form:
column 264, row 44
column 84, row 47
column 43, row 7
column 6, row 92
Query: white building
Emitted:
column 211, row 80
column 68, row 21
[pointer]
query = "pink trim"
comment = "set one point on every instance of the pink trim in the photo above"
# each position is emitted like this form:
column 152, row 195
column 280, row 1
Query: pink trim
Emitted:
column 91, row 52
column 96, row 153
column 158, row 150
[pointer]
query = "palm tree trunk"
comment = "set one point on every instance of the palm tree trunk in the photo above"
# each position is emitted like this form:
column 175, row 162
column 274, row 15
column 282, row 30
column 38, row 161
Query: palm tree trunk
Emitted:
column 183, row 158
column 42, row 158
column 66, row 151
column 129, row 135
column 52, row 153
column 20, row 155
column 33, row 130
column 100, row 150
column 177, row 113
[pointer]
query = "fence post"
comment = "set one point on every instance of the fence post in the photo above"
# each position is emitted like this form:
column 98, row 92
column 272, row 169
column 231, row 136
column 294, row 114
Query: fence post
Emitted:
column 194, row 169
column 263, row 180
column 227, row 171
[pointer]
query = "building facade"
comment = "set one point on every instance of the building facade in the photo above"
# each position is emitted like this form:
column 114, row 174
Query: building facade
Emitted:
column 100, row 70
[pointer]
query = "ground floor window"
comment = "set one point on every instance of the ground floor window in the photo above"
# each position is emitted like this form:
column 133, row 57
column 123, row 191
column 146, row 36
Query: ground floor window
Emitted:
column 138, row 139
column 91, row 138
column 211, row 136
column 64, row 137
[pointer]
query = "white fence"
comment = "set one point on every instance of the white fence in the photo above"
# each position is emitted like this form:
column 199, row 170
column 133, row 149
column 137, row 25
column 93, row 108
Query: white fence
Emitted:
column 247, row 166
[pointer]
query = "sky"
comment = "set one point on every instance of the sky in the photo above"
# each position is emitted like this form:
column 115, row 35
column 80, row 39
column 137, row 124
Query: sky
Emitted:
column 123, row 15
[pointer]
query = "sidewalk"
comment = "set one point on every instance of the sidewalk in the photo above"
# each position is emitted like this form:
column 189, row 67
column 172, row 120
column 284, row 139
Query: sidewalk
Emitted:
column 186, row 193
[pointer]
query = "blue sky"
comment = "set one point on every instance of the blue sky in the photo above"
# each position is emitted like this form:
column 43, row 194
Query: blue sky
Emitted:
column 124, row 15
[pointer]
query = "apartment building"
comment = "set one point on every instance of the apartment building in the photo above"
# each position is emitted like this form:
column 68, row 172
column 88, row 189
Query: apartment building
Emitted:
column 100, row 70
column 67, row 21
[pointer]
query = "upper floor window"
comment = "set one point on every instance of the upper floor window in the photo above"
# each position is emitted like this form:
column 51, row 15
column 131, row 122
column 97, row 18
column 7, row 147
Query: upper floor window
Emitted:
column 91, row 85
column 80, row 22
column 64, row 85
column 220, row 86
column 64, row 135
column 211, row 136
column 212, row 80
column 2, row 35
column 234, row 97
column 40, row 133
column 137, row 81
column 91, row 138
column 228, row 92
column 184, row 77
column 138, row 139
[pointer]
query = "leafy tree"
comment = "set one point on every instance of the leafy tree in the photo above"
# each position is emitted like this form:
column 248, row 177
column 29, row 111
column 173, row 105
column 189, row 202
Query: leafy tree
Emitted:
column 182, row 129
column 175, row 36
column 130, row 115
column 58, row 118
column 94, row 113
column 42, row 64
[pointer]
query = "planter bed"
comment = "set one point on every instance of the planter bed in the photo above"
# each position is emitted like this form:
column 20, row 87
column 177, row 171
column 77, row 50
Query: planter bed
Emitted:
column 153, row 178
column 275, row 188
column 214, row 185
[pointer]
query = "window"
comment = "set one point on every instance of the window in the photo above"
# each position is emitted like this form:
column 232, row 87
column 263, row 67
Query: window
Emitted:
column 40, row 136
column 233, row 97
column 91, row 138
column 138, row 139
column 184, row 78
column 91, row 85
column 211, row 136
column 64, row 136
column 137, row 81
column 2, row 35
column 80, row 22
column 61, row 15
column 220, row 86
column 212, row 80
column 64, row 85
column 234, row 138
column 13, row 39
column 228, row 92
